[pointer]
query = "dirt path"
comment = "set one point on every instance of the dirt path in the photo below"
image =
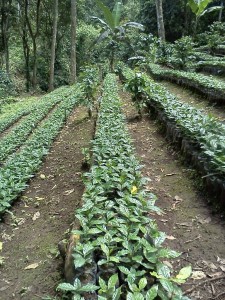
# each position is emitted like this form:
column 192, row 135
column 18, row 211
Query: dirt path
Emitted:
column 188, row 221
column 42, row 217
column 187, row 96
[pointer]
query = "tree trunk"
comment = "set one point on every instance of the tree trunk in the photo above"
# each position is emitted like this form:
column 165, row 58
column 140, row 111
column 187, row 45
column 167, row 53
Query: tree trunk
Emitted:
column 26, row 52
column 221, row 11
column 73, row 43
column 5, row 17
column 53, row 47
column 160, row 22
column 34, row 34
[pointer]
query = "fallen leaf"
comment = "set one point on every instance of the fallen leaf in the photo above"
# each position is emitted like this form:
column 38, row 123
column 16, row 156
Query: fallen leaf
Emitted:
column 67, row 193
column 214, row 275
column 36, row 216
column 158, row 178
column 42, row 176
column 170, row 237
column 221, row 260
column 170, row 174
column 177, row 198
column 32, row 266
column 39, row 198
column 187, row 224
column 209, row 265
column 4, row 288
column 164, row 220
column 168, row 264
column 222, row 268
column 204, row 221
column 197, row 275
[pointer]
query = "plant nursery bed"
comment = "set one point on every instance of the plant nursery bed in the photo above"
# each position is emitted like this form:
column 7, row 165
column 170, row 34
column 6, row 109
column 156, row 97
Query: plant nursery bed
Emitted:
column 191, row 150
column 187, row 219
column 187, row 96
column 31, row 267
column 205, row 85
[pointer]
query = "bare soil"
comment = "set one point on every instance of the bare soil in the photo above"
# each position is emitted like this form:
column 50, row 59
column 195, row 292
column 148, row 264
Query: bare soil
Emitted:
column 188, row 220
column 41, row 218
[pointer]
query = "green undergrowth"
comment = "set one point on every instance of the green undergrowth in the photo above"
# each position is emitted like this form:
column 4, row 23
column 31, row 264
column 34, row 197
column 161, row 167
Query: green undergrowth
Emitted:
column 119, row 245
column 194, row 123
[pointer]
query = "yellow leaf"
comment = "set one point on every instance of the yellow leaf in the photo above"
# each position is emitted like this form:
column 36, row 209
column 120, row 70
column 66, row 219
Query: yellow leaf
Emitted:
column 184, row 273
column 32, row 266
column 134, row 190
column 1, row 246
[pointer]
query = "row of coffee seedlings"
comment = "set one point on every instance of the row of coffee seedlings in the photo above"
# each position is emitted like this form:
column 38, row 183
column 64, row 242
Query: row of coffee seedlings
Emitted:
column 15, row 111
column 212, row 67
column 190, row 124
column 119, row 252
column 18, row 135
column 208, row 86
column 22, row 165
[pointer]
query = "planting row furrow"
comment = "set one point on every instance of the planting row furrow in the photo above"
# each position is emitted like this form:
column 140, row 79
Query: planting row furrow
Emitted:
column 118, row 252
column 22, row 165
column 13, row 140
column 201, row 136
column 212, row 88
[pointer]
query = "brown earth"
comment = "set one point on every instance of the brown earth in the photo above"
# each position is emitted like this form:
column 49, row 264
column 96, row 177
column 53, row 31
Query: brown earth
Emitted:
column 188, row 220
column 32, row 229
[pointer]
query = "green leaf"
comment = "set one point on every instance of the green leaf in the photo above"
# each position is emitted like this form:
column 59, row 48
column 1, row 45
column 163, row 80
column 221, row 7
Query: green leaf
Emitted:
column 163, row 270
column 202, row 6
column 66, row 287
column 105, row 249
column 193, row 5
column 168, row 253
column 101, row 298
column 112, row 281
column 142, row 283
column 124, row 270
column 167, row 285
column 79, row 261
column 94, row 231
column 117, row 11
column 210, row 10
column 117, row 294
column 88, row 288
column 184, row 273
column 138, row 296
column 152, row 293
column 102, row 284
column 114, row 259
column 107, row 14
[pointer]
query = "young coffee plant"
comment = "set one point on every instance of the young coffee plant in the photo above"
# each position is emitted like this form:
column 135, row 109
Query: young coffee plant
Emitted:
column 89, row 79
column 136, row 87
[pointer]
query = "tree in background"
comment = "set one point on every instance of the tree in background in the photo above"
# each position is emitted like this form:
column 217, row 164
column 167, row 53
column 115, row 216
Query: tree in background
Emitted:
column 73, row 42
column 112, row 28
column 6, row 9
column 199, row 8
column 160, row 22
column 53, row 46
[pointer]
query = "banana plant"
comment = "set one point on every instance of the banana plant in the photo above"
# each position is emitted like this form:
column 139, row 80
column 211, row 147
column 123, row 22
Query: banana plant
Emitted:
column 112, row 28
column 199, row 8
